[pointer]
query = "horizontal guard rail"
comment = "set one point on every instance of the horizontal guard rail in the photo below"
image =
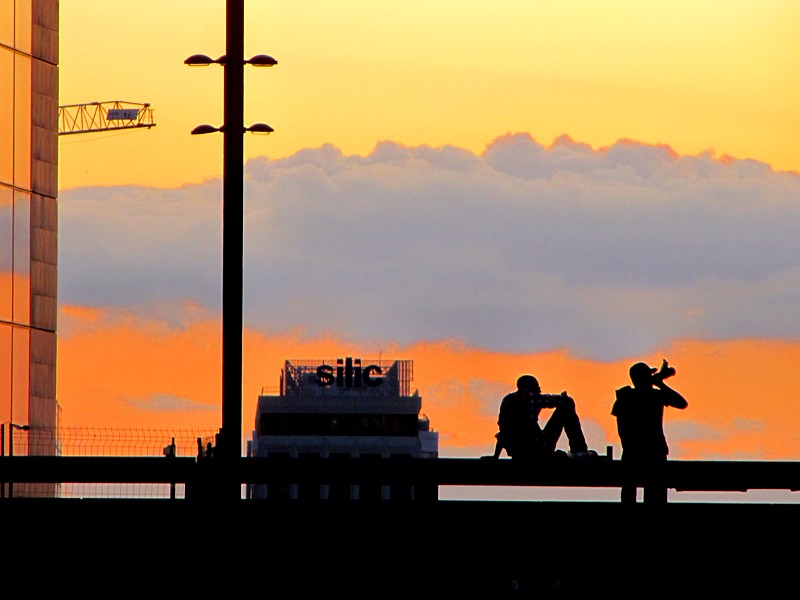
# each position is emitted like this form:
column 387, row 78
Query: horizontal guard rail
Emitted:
column 605, row 473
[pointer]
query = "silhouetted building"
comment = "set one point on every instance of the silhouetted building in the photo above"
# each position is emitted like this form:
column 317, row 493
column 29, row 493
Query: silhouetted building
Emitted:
column 29, row 410
column 342, row 409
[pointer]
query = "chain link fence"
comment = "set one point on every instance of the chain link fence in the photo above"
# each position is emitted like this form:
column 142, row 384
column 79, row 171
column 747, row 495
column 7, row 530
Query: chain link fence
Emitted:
column 100, row 441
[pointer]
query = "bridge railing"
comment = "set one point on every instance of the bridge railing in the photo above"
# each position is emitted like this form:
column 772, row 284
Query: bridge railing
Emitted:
column 200, row 476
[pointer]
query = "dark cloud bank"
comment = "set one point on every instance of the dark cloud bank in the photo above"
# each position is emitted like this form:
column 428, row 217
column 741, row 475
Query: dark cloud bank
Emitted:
column 607, row 252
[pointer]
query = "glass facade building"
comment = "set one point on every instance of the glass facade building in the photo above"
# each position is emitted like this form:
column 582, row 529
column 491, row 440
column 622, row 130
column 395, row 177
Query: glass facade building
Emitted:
column 29, row 410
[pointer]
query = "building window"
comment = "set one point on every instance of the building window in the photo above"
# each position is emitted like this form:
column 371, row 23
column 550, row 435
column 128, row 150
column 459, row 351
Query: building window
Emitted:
column 6, row 114
column 20, row 374
column 7, row 22
column 338, row 424
column 5, row 372
column 23, row 25
column 22, row 257
column 22, row 121
column 6, row 251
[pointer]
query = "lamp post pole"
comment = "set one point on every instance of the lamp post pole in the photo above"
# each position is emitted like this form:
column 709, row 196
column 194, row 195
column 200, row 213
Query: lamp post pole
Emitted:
column 229, row 439
column 232, row 236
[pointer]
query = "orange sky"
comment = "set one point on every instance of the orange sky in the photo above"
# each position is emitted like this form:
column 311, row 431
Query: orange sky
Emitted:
column 110, row 366
column 713, row 75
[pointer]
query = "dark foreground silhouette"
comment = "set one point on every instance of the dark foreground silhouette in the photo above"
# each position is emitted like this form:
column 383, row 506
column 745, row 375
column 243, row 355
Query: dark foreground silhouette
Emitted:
column 520, row 434
column 639, row 410
column 460, row 549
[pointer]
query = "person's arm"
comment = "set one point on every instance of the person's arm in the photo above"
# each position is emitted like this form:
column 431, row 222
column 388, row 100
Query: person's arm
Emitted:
column 671, row 397
column 618, row 411
column 548, row 400
column 498, row 449
column 504, row 423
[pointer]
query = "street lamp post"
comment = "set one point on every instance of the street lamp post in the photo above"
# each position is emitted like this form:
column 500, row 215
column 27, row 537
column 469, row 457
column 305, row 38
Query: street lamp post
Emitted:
column 232, row 233
column 229, row 443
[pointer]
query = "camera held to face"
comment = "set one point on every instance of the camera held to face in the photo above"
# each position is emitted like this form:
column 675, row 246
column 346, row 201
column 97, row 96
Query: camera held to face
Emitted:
column 664, row 372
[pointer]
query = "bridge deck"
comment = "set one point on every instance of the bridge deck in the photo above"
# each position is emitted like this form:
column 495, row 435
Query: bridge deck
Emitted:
column 601, row 473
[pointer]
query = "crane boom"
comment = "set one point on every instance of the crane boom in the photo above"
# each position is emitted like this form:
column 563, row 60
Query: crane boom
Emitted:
column 103, row 116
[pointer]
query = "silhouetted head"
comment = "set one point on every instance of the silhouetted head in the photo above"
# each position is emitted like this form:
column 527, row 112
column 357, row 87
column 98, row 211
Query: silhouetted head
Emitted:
column 642, row 374
column 528, row 383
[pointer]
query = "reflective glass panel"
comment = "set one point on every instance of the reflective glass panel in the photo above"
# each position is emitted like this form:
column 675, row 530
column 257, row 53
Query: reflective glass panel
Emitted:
column 5, row 372
column 6, row 115
column 20, row 374
column 22, row 257
column 22, row 121
column 7, row 22
column 6, row 251
column 23, row 26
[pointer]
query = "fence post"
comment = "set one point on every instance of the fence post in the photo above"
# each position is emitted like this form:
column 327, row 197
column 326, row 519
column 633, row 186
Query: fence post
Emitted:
column 169, row 452
column 11, row 453
column 2, row 453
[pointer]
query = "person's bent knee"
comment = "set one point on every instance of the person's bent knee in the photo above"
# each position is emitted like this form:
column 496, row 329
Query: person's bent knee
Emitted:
column 567, row 404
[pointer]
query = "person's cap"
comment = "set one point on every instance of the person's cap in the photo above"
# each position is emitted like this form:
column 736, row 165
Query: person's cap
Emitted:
column 641, row 369
column 527, row 382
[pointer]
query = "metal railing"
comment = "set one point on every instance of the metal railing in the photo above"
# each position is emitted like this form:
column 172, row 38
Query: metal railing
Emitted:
column 199, row 477
column 34, row 442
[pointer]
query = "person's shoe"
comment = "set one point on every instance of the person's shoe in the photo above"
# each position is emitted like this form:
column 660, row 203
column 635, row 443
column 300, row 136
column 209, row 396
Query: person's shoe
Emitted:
column 585, row 455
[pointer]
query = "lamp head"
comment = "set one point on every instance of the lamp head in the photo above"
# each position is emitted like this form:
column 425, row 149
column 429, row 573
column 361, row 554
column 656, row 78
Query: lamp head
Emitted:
column 201, row 129
column 199, row 60
column 262, row 128
column 262, row 60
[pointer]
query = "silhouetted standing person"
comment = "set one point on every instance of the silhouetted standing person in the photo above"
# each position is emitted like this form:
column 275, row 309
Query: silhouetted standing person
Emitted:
column 640, row 423
column 520, row 434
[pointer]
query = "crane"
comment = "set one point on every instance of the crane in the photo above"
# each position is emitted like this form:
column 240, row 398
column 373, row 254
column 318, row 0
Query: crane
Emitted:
column 103, row 116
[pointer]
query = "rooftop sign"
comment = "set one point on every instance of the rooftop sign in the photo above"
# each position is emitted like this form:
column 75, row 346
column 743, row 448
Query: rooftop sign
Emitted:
column 347, row 376
column 123, row 114
column 350, row 374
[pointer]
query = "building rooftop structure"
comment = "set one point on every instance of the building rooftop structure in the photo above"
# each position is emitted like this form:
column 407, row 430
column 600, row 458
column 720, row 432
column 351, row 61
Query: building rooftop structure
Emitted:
column 342, row 408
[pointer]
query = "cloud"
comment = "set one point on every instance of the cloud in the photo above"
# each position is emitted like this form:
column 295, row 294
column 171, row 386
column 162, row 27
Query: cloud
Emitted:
column 607, row 252
column 168, row 402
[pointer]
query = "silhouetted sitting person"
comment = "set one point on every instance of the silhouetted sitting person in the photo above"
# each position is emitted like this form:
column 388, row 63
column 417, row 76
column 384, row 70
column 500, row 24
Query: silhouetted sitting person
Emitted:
column 640, row 414
column 520, row 434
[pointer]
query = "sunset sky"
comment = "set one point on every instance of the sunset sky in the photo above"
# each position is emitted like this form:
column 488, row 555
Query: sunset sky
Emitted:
column 488, row 189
